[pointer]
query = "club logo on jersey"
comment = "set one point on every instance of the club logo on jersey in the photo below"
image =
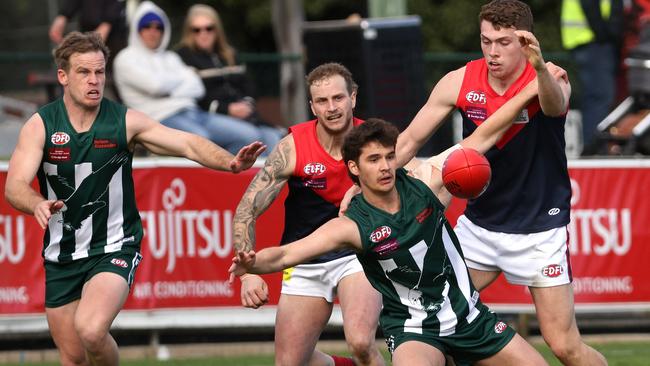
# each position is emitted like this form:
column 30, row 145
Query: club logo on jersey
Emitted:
column 476, row 97
column 60, row 138
column 522, row 117
column 423, row 215
column 314, row 169
column 119, row 262
column 500, row 327
column 104, row 144
column 386, row 248
column 380, row 234
column 552, row 270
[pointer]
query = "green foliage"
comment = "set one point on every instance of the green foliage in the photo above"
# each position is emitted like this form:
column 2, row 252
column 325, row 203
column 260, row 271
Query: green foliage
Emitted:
column 452, row 25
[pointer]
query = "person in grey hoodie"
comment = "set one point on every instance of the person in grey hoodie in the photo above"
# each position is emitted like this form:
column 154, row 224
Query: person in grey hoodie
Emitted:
column 155, row 81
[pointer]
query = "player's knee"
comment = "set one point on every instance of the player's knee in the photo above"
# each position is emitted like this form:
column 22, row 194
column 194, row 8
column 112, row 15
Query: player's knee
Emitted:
column 286, row 359
column 361, row 346
column 74, row 359
column 91, row 336
column 565, row 351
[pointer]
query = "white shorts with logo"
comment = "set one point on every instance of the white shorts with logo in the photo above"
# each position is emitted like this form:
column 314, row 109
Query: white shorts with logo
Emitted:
column 537, row 259
column 319, row 279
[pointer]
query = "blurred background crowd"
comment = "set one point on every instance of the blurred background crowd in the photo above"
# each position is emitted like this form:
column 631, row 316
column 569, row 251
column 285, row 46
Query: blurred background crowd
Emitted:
column 242, row 64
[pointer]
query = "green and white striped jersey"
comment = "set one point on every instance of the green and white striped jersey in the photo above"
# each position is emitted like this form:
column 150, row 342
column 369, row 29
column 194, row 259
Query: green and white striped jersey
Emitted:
column 91, row 172
column 414, row 260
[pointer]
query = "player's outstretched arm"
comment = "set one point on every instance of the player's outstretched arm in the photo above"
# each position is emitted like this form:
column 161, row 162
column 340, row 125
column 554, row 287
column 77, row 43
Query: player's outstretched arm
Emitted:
column 261, row 192
column 441, row 102
column 23, row 166
column 482, row 139
column 338, row 233
column 554, row 93
column 163, row 140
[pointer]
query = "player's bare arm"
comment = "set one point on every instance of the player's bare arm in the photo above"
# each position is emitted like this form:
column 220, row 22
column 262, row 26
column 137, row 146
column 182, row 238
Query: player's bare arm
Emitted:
column 440, row 104
column 338, row 233
column 554, row 93
column 163, row 140
column 262, row 191
column 22, row 171
column 489, row 132
column 482, row 139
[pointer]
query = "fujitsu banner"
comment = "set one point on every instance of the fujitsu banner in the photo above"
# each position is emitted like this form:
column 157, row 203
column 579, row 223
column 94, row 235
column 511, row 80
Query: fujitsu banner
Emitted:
column 609, row 237
column 187, row 214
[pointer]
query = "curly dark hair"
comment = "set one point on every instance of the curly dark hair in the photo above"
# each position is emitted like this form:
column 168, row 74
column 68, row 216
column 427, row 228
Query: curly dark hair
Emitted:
column 506, row 14
column 372, row 130
column 77, row 42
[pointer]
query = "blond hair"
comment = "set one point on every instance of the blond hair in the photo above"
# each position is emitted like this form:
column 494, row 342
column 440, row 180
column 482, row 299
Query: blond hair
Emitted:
column 221, row 45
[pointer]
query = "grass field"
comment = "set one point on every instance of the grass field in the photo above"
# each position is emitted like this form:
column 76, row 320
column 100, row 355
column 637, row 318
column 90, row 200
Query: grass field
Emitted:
column 631, row 353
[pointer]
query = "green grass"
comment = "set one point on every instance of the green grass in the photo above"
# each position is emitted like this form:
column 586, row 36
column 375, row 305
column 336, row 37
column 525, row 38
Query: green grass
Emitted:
column 635, row 353
column 616, row 353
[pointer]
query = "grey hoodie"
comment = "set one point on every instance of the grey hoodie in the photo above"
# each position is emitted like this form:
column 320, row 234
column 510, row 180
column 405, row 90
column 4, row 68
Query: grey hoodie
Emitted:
column 155, row 82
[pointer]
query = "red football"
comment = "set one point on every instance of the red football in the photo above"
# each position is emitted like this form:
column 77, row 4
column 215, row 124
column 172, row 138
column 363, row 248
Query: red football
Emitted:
column 466, row 173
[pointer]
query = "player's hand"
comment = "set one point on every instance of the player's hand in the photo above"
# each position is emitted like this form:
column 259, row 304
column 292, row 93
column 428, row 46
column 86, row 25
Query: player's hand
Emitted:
column 241, row 263
column 530, row 47
column 246, row 157
column 57, row 28
column 557, row 72
column 254, row 291
column 45, row 209
column 345, row 202
column 241, row 109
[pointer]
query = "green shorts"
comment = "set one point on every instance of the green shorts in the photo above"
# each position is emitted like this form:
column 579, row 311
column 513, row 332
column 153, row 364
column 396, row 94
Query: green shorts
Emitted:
column 482, row 338
column 64, row 281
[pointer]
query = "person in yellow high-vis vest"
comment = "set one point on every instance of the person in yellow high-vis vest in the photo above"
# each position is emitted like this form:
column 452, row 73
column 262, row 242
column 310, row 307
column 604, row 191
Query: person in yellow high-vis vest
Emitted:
column 592, row 30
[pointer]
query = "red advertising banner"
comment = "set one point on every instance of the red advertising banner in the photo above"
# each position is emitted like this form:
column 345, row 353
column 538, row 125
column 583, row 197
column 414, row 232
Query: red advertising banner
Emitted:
column 187, row 214
column 609, row 236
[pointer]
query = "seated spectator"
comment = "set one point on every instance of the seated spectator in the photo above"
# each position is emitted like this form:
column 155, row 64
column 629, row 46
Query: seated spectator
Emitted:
column 157, row 82
column 204, row 46
column 106, row 17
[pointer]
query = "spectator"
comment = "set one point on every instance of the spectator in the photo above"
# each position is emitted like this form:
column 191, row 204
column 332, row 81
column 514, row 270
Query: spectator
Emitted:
column 106, row 17
column 204, row 47
column 592, row 30
column 157, row 82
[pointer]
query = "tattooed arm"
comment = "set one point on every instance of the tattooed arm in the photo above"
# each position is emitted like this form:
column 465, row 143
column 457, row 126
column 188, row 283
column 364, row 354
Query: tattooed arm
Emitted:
column 261, row 192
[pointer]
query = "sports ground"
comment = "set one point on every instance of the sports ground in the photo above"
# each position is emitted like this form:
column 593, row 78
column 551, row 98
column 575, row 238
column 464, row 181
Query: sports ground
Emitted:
column 620, row 350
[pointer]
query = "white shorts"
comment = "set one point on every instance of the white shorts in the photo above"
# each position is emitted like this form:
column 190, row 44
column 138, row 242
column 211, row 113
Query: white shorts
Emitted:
column 319, row 279
column 537, row 259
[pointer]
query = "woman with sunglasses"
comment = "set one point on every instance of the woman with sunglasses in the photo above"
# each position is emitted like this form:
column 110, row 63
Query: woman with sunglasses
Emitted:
column 204, row 46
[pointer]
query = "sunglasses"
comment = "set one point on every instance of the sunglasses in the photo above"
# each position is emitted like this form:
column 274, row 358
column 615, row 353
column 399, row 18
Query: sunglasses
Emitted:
column 153, row 25
column 208, row 29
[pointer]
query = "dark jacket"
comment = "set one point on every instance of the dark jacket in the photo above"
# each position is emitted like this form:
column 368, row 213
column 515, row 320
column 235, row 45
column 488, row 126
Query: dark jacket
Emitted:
column 225, row 89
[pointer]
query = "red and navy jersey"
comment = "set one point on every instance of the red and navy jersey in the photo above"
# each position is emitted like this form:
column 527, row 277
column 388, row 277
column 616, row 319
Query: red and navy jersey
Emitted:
column 530, row 189
column 316, row 188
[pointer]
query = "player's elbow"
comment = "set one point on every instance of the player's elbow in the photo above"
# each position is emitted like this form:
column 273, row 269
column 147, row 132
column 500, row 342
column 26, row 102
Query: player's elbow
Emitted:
column 554, row 111
column 9, row 192
column 554, row 108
